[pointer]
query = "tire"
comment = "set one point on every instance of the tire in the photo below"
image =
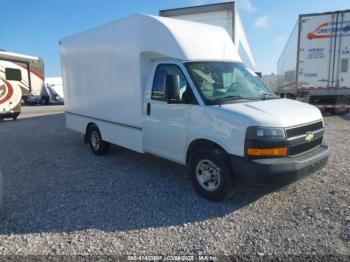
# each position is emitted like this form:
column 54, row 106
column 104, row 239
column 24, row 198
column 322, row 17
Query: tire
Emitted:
column 222, row 182
column 97, row 145
column 341, row 101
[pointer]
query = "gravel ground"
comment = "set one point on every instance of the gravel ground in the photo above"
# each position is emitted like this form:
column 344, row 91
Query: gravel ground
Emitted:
column 61, row 199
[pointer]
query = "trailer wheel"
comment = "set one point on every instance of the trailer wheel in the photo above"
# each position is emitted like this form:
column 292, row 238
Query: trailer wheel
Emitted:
column 97, row 145
column 343, row 102
column 211, row 174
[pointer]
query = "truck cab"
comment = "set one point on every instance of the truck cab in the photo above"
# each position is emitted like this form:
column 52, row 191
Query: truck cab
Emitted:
column 217, row 117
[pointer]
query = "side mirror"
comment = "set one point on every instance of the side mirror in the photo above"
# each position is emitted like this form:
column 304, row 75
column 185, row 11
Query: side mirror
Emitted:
column 172, row 88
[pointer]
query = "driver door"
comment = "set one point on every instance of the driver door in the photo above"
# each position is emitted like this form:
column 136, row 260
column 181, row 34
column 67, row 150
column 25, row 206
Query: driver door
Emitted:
column 167, row 124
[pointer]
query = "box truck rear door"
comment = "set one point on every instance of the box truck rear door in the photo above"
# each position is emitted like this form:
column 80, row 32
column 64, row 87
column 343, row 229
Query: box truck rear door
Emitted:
column 315, row 51
column 341, row 76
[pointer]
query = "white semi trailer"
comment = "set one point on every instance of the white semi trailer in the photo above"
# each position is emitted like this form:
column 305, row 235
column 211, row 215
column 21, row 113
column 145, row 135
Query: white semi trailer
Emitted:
column 314, row 65
column 21, row 76
column 224, row 15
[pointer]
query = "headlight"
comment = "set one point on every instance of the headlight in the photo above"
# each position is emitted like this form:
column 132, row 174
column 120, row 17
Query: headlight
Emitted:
column 265, row 142
column 257, row 133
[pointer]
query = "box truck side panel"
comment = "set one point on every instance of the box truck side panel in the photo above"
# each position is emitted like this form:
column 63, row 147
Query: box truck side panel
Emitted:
column 316, row 51
column 286, row 66
column 341, row 77
column 128, row 137
column 101, row 75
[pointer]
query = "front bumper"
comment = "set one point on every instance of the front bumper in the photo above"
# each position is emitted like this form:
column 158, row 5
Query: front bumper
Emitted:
column 279, row 171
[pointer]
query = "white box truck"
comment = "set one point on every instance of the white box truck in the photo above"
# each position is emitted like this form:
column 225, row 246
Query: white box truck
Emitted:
column 178, row 90
column 314, row 65
column 225, row 15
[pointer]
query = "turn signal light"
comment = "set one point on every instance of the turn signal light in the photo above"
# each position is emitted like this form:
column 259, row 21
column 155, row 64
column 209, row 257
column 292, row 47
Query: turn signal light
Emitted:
column 283, row 151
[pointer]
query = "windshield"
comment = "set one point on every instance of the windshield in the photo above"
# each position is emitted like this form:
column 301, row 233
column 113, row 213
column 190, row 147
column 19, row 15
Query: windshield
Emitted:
column 225, row 82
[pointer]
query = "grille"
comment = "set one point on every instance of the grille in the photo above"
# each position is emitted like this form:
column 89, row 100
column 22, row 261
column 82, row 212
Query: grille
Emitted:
column 302, row 130
column 294, row 150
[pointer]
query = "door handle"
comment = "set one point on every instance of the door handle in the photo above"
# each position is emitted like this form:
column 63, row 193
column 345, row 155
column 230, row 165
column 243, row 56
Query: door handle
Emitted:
column 148, row 109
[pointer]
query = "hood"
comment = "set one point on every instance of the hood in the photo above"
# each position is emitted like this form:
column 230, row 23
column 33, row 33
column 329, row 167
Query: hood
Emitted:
column 277, row 112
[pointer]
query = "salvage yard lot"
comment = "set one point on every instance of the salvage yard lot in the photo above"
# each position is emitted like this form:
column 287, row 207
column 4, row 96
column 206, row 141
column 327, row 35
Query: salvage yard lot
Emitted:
column 59, row 198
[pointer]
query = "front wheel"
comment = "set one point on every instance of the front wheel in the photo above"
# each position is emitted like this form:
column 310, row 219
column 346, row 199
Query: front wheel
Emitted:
column 97, row 145
column 211, row 175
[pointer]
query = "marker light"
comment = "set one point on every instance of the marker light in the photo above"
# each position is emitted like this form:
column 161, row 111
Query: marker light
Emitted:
column 282, row 151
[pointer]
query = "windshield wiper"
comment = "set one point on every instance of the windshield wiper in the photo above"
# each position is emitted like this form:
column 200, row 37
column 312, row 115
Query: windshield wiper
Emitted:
column 236, row 97
column 268, row 96
column 232, row 98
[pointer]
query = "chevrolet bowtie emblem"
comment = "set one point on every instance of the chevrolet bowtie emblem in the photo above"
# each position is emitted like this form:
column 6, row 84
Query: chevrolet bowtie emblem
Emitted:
column 309, row 136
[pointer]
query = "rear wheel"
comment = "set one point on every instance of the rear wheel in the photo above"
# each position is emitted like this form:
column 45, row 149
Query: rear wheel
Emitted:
column 97, row 145
column 211, row 175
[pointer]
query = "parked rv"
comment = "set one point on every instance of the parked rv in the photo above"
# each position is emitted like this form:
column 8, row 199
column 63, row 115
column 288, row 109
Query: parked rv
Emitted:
column 21, row 77
column 162, row 89
column 314, row 65
column 225, row 15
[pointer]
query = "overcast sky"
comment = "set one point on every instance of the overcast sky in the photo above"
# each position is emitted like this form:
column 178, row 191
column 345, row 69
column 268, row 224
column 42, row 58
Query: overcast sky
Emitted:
column 34, row 27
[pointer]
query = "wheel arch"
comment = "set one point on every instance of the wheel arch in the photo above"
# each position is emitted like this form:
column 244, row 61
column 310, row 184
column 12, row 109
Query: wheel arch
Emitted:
column 196, row 144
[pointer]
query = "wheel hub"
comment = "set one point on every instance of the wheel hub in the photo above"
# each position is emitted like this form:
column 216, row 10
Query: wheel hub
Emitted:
column 95, row 140
column 208, row 175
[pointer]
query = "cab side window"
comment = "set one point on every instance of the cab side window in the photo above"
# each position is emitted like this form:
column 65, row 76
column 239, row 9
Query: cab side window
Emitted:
column 186, row 95
column 13, row 74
